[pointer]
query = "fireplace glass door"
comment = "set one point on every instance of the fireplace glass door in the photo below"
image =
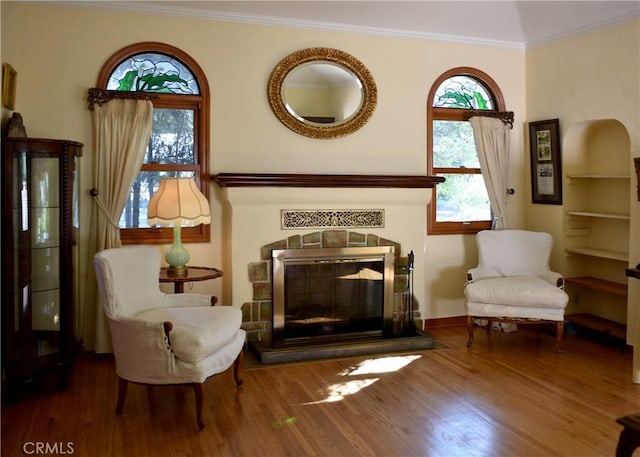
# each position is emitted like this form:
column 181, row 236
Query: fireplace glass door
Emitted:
column 330, row 297
column 333, row 297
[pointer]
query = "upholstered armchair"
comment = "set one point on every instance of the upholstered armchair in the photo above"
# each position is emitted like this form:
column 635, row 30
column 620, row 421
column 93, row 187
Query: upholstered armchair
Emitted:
column 513, row 283
column 159, row 338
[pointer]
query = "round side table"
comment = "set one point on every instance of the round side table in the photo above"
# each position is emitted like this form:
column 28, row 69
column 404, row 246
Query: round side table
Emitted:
column 193, row 274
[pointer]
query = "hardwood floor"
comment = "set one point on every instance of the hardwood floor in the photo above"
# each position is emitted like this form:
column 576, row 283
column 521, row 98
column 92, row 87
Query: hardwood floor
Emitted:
column 514, row 396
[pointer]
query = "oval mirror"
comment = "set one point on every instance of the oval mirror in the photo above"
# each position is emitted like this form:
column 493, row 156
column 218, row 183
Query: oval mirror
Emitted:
column 322, row 93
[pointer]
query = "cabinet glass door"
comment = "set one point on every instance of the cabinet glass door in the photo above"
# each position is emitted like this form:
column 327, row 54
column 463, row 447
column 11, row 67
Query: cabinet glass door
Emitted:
column 37, row 253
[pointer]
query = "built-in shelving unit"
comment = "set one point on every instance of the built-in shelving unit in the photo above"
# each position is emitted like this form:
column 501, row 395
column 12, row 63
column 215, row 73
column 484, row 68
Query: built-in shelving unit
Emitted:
column 597, row 224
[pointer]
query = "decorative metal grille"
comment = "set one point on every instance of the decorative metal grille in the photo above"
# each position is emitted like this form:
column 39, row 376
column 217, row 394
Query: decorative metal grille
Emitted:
column 315, row 219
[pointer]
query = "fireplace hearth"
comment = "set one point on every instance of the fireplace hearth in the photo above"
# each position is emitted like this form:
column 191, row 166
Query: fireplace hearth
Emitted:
column 329, row 301
column 364, row 345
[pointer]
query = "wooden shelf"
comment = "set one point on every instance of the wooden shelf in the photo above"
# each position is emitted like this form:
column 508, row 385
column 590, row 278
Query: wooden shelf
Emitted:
column 597, row 176
column 599, row 324
column 625, row 217
column 601, row 253
column 598, row 284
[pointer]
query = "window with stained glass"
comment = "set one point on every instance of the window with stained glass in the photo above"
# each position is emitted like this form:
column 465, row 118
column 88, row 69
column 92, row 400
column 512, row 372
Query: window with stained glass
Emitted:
column 461, row 203
column 179, row 138
column 463, row 92
column 153, row 72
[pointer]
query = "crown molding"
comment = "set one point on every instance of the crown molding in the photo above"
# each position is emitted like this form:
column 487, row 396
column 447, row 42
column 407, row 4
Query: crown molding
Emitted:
column 226, row 16
column 616, row 20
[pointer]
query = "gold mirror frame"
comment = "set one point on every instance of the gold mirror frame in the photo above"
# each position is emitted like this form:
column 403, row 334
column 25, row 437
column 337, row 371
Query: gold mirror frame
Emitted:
column 292, row 61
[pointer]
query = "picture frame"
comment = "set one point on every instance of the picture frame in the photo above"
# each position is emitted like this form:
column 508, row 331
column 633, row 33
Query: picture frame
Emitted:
column 546, row 162
column 9, row 80
column 636, row 164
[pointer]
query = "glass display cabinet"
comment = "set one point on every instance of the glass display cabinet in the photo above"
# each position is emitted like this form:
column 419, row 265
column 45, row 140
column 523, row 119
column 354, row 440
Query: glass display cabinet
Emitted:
column 40, row 214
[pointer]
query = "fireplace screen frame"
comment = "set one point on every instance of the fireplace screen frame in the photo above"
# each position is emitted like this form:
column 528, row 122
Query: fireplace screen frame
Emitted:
column 281, row 257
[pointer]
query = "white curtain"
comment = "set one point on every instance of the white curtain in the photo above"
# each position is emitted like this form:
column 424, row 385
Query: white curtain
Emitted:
column 121, row 133
column 491, row 137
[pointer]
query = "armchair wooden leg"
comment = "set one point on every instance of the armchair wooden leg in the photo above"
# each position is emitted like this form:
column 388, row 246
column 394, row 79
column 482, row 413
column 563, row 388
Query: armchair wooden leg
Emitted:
column 197, row 390
column 122, row 394
column 470, row 329
column 559, row 332
column 237, row 365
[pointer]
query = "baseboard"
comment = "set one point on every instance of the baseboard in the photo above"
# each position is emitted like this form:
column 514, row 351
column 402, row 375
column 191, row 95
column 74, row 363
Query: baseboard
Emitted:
column 441, row 322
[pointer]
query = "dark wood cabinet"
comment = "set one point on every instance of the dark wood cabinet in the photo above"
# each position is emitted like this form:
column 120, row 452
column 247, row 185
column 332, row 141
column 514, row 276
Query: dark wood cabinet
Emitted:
column 39, row 221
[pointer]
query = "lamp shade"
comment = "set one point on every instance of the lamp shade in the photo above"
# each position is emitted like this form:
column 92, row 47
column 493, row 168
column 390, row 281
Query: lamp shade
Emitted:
column 178, row 202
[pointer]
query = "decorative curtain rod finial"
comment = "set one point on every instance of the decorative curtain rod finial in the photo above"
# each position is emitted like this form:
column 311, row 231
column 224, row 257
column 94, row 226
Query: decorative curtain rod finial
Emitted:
column 505, row 116
column 96, row 96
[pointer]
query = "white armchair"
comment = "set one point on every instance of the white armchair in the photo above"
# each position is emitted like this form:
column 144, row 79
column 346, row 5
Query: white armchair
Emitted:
column 513, row 283
column 159, row 338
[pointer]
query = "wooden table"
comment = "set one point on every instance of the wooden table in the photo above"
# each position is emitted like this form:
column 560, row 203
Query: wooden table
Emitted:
column 633, row 272
column 193, row 274
column 629, row 436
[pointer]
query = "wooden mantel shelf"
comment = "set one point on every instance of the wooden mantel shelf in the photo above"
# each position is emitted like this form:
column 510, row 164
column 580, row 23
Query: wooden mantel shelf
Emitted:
column 316, row 180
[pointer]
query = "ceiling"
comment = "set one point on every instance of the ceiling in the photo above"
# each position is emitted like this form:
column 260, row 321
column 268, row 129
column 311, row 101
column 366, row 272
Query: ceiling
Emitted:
column 500, row 23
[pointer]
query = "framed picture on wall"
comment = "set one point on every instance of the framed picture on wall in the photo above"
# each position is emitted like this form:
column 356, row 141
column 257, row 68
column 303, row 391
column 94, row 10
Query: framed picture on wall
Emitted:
column 9, row 78
column 546, row 162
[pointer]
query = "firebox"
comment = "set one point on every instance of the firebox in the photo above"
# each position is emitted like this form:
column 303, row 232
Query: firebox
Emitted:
column 332, row 294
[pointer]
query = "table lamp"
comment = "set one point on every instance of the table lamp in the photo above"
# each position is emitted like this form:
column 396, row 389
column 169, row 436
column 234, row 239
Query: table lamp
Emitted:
column 178, row 203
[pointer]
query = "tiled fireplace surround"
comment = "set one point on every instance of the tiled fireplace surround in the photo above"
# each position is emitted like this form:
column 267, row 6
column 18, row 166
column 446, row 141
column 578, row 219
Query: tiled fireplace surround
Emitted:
column 254, row 203
column 256, row 314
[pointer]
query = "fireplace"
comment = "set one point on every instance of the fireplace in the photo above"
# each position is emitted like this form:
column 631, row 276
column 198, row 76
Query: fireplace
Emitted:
column 347, row 293
column 266, row 212
column 332, row 294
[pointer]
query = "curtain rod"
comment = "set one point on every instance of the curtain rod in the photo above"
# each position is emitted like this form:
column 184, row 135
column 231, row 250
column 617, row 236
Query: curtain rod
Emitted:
column 505, row 116
column 98, row 97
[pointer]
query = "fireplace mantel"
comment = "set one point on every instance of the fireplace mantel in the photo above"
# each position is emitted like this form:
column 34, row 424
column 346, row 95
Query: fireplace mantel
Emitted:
column 318, row 180
column 252, row 207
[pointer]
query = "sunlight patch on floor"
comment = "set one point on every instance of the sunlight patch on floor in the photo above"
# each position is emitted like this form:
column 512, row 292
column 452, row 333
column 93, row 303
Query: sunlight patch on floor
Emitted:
column 338, row 391
column 380, row 365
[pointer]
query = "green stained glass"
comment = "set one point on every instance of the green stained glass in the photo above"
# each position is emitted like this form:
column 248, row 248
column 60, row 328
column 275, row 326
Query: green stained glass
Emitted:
column 153, row 72
column 463, row 92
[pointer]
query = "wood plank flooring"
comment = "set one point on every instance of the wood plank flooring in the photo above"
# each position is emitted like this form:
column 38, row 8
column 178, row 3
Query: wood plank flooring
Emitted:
column 510, row 396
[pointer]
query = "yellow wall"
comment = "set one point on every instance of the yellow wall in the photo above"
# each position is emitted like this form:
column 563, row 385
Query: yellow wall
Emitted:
column 58, row 52
column 588, row 77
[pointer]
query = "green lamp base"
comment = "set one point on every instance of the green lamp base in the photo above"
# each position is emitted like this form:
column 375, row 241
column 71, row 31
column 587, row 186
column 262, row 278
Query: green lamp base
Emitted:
column 177, row 256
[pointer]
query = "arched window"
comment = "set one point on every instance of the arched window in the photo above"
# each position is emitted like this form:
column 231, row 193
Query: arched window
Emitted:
column 461, row 203
column 179, row 141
